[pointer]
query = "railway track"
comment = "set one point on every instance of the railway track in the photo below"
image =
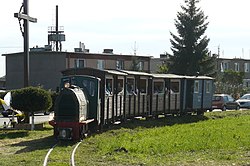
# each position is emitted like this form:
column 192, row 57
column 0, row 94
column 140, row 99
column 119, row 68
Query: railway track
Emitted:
column 72, row 156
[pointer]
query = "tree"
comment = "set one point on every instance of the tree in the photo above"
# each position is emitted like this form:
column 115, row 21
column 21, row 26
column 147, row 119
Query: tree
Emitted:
column 31, row 100
column 230, row 82
column 163, row 69
column 189, row 47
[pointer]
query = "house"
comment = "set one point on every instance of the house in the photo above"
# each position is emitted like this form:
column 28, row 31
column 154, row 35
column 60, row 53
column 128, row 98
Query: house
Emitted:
column 236, row 64
column 222, row 64
column 46, row 66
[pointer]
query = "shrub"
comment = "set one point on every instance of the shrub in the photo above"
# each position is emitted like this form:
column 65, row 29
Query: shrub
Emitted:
column 31, row 99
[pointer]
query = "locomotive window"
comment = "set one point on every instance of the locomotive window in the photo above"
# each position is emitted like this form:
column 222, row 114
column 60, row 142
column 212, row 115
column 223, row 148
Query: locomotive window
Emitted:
column 175, row 87
column 130, row 86
column 208, row 84
column 196, row 86
column 90, row 86
column 73, row 81
column 143, row 86
column 109, row 87
column 158, row 87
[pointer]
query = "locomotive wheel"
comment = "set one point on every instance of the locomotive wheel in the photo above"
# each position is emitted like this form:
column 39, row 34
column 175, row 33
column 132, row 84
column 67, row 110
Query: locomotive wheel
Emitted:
column 83, row 131
column 201, row 112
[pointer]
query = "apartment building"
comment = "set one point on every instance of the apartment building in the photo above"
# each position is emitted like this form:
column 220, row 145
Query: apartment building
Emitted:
column 46, row 66
column 236, row 64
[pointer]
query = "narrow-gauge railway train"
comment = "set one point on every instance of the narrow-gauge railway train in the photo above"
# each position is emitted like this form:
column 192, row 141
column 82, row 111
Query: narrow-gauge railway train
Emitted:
column 91, row 99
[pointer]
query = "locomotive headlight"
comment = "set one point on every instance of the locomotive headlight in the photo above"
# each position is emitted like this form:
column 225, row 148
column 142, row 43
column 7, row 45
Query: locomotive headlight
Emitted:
column 63, row 133
column 67, row 85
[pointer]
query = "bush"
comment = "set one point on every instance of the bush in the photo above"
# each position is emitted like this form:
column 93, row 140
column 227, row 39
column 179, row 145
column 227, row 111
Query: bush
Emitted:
column 31, row 99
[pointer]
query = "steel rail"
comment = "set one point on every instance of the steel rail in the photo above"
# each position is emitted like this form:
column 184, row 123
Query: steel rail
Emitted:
column 72, row 159
column 45, row 162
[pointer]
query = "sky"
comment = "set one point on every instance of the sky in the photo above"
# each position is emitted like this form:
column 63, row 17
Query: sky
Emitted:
column 125, row 26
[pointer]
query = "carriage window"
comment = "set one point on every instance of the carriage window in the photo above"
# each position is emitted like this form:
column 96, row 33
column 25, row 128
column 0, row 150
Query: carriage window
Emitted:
column 130, row 86
column 208, row 84
column 143, row 86
column 158, row 87
column 90, row 86
column 119, row 86
column 196, row 86
column 175, row 87
column 109, row 86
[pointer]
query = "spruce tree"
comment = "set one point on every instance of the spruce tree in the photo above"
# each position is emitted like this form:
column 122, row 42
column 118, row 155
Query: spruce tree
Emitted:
column 189, row 47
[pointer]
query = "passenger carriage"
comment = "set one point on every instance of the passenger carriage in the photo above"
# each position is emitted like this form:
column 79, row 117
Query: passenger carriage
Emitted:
column 167, row 94
column 199, row 94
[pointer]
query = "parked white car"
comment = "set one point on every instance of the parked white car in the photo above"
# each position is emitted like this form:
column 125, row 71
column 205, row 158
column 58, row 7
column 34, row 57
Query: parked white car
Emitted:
column 244, row 101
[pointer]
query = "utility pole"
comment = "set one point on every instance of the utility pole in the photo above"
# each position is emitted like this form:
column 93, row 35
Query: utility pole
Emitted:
column 57, row 47
column 56, row 36
column 25, row 32
column 218, row 50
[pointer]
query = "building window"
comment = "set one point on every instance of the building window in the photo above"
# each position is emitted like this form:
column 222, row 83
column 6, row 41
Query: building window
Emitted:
column 100, row 64
column 247, row 67
column 246, row 83
column 79, row 63
column 223, row 66
column 141, row 66
column 119, row 64
column 236, row 67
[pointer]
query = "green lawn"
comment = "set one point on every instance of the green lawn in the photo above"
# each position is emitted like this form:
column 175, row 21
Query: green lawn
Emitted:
column 218, row 138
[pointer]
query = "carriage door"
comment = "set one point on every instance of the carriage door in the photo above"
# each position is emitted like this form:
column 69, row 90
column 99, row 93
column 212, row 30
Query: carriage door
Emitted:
column 207, row 94
column 142, row 96
column 197, row 95
column 158, row 96
column 119, row 96
column 109, row 99
column 175, row 94
column 130, row 97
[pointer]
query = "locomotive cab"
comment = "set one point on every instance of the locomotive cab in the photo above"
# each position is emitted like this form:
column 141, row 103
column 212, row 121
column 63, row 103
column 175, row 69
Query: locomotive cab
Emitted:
column 71, row 113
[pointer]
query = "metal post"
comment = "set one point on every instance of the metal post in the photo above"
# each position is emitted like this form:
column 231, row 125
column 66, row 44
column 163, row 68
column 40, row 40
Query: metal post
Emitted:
column 57, row 34
column 25, row 32
column 26, row 44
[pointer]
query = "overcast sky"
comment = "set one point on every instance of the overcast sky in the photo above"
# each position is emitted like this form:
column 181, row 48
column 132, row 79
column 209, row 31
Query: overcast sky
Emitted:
column 119, row 24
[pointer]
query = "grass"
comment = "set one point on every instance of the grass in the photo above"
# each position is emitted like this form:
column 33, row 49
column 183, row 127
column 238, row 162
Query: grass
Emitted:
column 218, row 138
column 24, row 147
